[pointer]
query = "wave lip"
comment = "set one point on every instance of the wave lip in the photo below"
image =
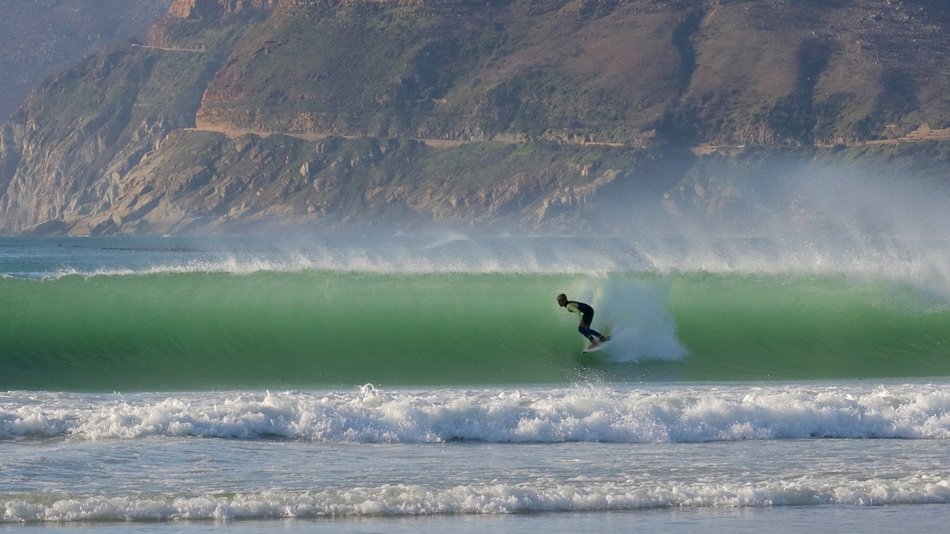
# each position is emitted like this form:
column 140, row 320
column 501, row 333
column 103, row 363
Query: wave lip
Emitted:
column 583, row 414
column 897, row 258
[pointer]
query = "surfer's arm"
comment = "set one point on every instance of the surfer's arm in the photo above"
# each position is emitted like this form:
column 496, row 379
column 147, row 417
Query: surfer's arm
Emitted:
column 574, row 308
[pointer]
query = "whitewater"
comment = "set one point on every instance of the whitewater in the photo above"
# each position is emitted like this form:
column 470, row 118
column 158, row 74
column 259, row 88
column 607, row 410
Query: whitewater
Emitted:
column 429, row 382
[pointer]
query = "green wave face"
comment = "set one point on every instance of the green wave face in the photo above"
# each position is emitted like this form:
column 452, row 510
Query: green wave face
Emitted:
column 175, row 331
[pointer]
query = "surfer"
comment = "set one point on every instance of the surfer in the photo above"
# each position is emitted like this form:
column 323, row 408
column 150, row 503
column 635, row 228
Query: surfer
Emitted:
column 587, row 316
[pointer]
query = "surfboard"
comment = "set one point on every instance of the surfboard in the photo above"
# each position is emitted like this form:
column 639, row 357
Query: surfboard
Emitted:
column 600, row 346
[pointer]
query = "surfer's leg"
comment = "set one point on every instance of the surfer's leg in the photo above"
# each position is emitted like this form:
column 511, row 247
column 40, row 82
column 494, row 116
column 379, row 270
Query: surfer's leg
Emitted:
column 585, row 328
column 586, row 331
column 589, row 320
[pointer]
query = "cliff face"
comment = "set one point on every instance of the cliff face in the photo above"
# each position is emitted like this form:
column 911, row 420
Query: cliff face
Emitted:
column 110, row 112
column 215, row 183
column 400, row 112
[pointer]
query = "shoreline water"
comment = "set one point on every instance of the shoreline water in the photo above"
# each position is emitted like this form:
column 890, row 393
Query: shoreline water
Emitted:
column 161, row 483
column 871, row 519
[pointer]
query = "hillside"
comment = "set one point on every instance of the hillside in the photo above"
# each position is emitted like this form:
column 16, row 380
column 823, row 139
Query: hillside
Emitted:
column 41, row 36
column 535, row 113
column 770, row 72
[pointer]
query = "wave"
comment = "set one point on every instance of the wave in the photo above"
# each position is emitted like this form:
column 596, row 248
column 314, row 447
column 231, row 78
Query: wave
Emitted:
column 498, row 498
column 181, row 331
column 582, row 413
column 589, row 413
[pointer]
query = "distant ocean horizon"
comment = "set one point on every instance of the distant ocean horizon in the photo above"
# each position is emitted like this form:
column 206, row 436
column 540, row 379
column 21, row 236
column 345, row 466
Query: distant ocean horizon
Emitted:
column 367, row 382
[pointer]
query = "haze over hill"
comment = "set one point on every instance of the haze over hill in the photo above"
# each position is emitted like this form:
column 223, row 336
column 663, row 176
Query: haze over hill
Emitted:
column 543, row 114
column 40, row 36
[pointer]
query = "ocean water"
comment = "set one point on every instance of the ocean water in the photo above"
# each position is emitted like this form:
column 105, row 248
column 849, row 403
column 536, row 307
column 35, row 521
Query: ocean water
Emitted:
column 430, row 382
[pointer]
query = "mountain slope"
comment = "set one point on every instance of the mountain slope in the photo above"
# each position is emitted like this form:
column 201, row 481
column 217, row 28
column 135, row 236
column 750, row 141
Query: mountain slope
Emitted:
column 767, row 72
column 539, row 113
column 38, row 37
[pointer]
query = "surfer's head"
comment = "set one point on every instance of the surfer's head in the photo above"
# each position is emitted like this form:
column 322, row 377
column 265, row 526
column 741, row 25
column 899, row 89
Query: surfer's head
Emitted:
column 562, row 300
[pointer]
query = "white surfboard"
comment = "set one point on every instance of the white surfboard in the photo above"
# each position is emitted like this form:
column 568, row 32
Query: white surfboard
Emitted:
column 600, row 346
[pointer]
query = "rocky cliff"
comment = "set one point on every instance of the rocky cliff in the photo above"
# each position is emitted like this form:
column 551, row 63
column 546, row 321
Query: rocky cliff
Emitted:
column 538, row 113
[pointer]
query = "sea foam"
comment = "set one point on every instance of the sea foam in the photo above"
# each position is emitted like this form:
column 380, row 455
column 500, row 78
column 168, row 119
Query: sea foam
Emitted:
column 539, row 415
column 496, row 498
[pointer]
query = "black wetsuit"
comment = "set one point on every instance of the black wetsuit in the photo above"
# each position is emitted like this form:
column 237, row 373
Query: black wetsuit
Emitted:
column 587, row 317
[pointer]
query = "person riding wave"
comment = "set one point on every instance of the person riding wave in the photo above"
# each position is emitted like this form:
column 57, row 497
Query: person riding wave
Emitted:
column 587, row 317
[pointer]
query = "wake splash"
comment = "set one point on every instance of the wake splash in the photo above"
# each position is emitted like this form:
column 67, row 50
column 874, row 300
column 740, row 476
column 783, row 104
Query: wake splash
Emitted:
column 579, row 414
column 637, row 316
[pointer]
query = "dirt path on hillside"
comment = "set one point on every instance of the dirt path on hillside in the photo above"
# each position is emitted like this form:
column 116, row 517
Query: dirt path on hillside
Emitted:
column 923, row 133
column 233, row 132
column 170, row 48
